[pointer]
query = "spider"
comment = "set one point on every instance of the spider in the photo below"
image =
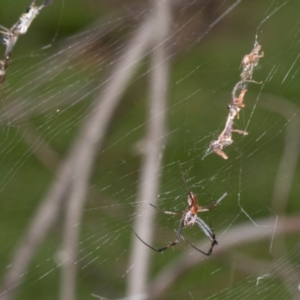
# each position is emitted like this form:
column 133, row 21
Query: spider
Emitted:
column 189, row 218
column 10, row 36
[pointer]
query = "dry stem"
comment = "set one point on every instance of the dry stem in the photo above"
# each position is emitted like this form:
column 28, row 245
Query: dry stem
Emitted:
column 153, row 149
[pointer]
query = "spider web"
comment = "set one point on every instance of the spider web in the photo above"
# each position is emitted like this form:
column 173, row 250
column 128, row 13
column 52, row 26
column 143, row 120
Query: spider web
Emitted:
column 61, row 74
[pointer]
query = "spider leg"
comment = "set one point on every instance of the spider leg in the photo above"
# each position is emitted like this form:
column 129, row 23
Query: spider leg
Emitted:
column 175, row 213
column 4, row 29
column 206, row 229
column 214, row 204
column 47, row 2
column 214, row 242
column 209, row 233
column 176, row 241
column 10, row 45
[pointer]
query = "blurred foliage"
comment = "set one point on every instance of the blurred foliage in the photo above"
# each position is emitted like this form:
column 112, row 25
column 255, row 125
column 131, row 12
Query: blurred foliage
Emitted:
column 202, row 75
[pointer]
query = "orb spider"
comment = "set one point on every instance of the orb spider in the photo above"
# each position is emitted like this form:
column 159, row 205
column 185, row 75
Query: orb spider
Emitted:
column 189, row 218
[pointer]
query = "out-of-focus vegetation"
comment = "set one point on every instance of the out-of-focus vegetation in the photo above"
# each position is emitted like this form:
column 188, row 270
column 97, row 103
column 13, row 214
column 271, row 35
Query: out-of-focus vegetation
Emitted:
column 204, row 67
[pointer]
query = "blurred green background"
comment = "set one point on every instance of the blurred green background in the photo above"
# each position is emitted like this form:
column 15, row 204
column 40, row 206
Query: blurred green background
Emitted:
column 53, row 77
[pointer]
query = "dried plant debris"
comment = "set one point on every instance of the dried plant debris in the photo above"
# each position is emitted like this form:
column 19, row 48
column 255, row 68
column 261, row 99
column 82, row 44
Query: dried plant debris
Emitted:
column 249, row 62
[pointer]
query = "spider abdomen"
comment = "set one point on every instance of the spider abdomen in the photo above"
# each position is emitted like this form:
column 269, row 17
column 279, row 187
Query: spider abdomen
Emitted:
column 189, row 219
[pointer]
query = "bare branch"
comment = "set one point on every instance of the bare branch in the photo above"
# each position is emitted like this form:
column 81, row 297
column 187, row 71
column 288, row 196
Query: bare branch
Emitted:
column 90, row 141
column 153, row 149
column 238, row 235
column 49, row 208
